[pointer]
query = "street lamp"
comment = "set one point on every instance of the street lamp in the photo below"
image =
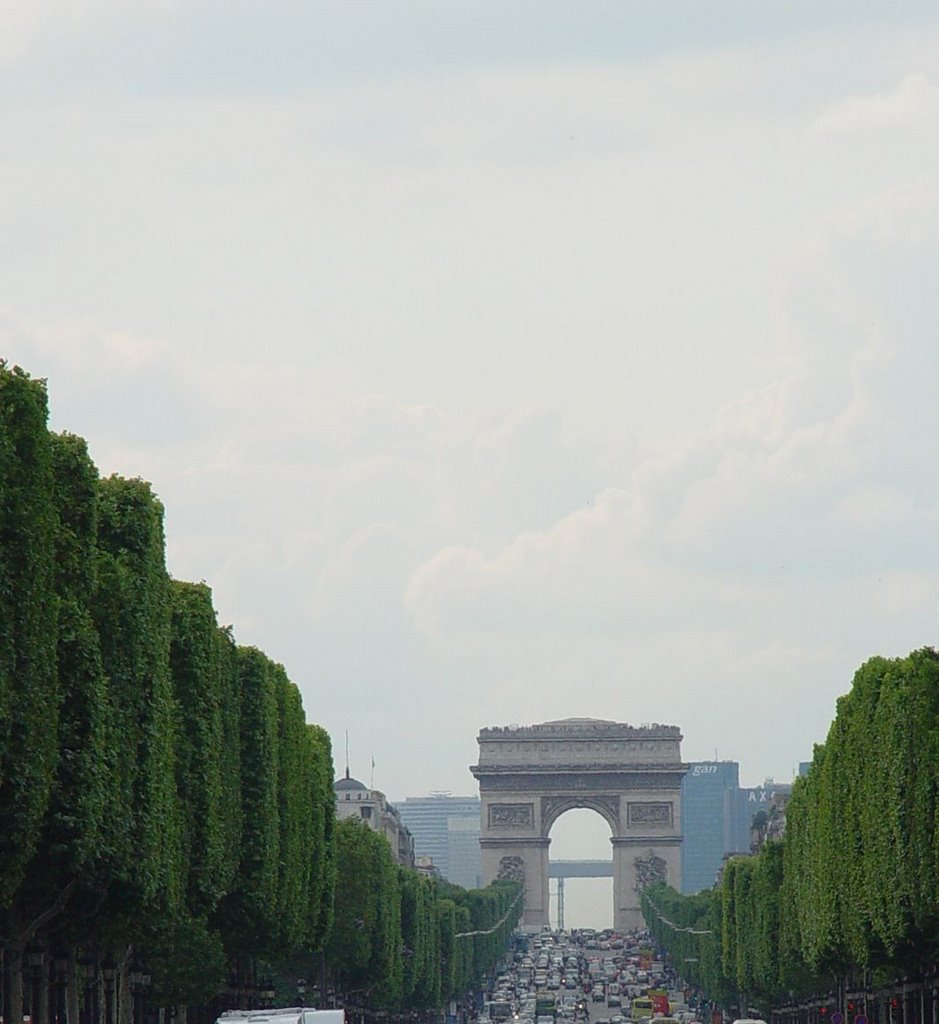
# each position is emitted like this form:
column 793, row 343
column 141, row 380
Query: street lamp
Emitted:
column 36, row 991
column 266, row 993
column 60, row 964
column 89, row 972
column 138, row 979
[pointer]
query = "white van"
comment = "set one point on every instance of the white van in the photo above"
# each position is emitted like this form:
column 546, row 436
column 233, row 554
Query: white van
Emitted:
column 283, row 1015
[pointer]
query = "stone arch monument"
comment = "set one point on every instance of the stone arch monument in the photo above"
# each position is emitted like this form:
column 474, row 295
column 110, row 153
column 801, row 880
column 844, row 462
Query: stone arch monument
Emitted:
column 530, row 775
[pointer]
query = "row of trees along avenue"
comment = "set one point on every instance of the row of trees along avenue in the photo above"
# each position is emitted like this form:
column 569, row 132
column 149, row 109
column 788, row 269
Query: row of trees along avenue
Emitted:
column 848, row 901
column 167, row 817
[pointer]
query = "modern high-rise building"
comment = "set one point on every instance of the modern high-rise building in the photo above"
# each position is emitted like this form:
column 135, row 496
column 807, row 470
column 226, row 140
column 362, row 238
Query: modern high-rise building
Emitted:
column 442, row 826
column 463, row 865
column 710, row 808
column 761, row 812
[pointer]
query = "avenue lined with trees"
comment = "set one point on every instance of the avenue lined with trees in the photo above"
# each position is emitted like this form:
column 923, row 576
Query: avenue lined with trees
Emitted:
column 842, row 914
column 167, row 813
column 168, row 820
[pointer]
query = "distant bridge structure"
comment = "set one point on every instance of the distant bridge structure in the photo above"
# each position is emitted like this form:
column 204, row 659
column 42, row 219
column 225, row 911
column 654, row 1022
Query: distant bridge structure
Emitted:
column 561, row 869
column 580, row 868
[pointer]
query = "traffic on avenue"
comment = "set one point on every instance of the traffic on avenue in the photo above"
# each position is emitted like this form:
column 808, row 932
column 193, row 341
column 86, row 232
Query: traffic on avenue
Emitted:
column 565, row 977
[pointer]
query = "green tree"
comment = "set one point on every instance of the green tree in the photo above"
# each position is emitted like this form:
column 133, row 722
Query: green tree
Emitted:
column 353, row 940
column 76, row 814
column 449, row 966
column 200, row 666
column 422, row 942
column 186, row 960
column 322, row 850
column 247, row 914
column 296, row 815
column 132, row 612
column 29, row 696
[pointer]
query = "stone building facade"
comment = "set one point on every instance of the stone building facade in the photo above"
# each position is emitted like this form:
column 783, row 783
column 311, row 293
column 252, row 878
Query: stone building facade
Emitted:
column 355, row 800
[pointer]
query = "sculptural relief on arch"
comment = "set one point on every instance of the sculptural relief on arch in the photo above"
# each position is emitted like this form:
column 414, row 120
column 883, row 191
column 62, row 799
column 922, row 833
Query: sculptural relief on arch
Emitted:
column 530, row 775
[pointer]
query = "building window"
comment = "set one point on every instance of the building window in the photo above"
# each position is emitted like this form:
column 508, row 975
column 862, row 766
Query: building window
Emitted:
column 366, row 812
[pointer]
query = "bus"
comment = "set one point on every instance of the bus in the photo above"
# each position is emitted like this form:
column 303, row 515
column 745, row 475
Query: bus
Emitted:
column 640, row 1008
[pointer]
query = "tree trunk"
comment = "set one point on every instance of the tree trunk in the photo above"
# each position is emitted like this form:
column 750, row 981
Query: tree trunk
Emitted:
column 71, row 990
column 16, row 984
column 41, row 1009
column 125, row 995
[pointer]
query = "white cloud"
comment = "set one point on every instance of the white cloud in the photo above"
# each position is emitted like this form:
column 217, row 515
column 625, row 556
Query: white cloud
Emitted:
column 912, row 105
column 76, row 343
column 514, row 393
column 26, row 24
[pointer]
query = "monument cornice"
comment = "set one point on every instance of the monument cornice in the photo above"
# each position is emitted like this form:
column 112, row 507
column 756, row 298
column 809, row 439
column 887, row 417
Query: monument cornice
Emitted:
column 539, row 841
column 579, row 728
column 616, row 768
column 543, row 784
column 653, row 839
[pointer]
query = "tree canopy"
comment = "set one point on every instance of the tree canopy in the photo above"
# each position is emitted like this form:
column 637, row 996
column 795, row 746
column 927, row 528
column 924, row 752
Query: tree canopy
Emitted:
column 854, row 882
column 163, row 798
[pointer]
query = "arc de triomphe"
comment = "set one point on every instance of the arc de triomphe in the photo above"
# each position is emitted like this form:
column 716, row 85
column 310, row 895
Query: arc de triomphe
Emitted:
column 530, row 775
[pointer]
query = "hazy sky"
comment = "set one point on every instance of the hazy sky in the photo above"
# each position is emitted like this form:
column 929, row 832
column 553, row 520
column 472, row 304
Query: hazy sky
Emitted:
column 501, row 362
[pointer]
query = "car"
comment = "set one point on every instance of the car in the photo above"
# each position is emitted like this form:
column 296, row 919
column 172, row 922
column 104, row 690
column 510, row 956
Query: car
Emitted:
column 614, row 999
column 597, row 995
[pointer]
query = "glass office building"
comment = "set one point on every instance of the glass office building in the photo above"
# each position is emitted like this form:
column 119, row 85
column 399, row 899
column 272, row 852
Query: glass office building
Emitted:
column 710, row 809
column 443, row 828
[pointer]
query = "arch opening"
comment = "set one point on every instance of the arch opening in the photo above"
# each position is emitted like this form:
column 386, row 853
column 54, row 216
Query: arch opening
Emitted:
column 580, row 844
